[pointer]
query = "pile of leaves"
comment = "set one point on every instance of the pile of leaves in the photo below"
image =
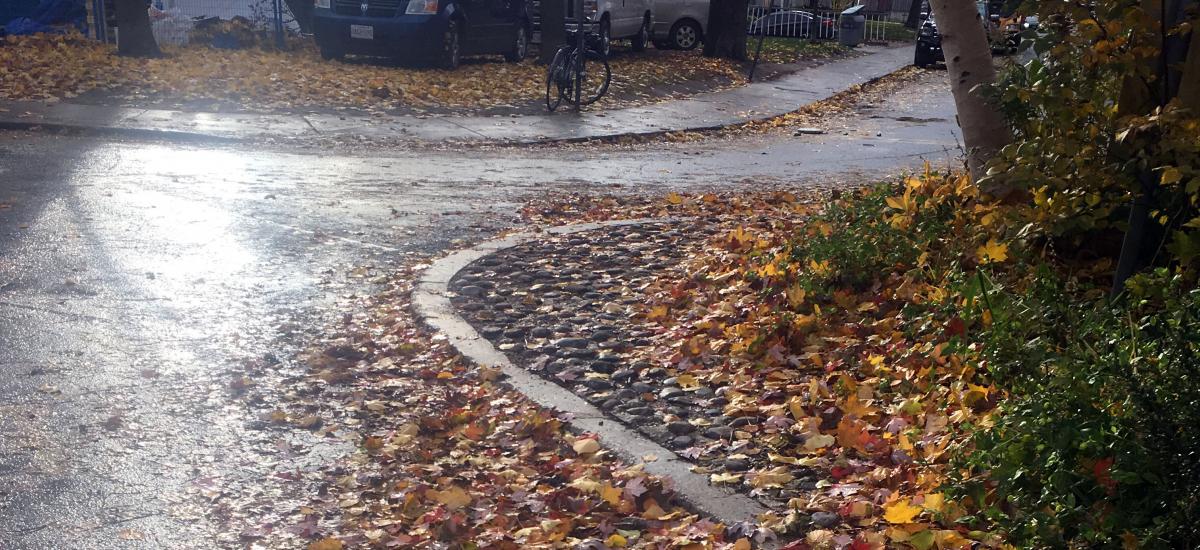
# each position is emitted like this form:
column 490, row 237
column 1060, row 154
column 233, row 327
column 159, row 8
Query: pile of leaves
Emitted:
column 56, row 67
column 848, row 357
column 448, row 457
column 955, row 382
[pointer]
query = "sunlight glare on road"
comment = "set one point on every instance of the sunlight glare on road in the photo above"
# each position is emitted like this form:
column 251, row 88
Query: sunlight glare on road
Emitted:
column 201, row 231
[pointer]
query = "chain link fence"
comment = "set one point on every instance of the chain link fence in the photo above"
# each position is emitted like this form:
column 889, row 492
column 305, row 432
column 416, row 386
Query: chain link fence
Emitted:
column 226, row 23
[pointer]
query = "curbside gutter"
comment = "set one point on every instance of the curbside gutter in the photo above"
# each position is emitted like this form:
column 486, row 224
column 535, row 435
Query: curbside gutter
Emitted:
column 432, row 303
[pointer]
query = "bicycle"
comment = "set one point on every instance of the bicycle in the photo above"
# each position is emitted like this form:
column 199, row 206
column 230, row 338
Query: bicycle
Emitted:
column 568, row 76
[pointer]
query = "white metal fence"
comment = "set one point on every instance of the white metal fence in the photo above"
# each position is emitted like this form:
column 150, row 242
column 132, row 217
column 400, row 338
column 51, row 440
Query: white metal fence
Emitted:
column 797, row 22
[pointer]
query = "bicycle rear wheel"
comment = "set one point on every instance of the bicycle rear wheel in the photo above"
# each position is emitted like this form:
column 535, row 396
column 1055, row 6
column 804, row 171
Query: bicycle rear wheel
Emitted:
column 594, row 81
column 554, row 73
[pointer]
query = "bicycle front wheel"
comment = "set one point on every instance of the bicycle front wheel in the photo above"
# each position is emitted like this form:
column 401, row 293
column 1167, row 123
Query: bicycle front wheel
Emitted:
column 596, row 76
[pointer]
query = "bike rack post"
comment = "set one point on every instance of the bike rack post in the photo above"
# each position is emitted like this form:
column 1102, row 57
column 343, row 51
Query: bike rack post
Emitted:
column 581, row 48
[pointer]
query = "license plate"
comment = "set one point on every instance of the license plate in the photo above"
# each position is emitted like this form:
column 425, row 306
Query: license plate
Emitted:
column 365, row 32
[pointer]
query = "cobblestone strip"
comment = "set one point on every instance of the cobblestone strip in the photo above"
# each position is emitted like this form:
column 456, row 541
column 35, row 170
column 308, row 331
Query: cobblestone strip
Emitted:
column 432, row 302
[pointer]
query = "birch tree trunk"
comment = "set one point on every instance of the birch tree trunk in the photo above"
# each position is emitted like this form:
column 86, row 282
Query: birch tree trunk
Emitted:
column 969, row 60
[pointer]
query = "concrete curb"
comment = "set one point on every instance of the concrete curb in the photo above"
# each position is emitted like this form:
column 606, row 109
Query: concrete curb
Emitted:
column 432, row 303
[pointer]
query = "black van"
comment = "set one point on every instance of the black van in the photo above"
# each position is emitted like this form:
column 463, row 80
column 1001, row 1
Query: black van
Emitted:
column 438, row 30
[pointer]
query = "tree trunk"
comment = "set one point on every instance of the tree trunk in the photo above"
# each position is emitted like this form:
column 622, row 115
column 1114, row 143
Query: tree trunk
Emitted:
column 134, row 37
column 969, row 60
column 1189, row 80
column 1180, row 57
column 914, row 14
column 302, row 10
column 554, row 34
column 726, row 35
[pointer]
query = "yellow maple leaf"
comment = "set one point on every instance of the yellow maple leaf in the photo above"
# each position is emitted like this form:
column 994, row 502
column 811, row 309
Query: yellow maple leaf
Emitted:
column 674, row 198
column 653, row 510
column 326, row 544
column 1171, row 175
column 615, row 540
column 901, row 511
column 993, row 251
column 819, row 269
column 795, row 295
column 934, row 502
column 585, row 485
column 454, row 497
column 818, row 441
column 586, row 446
column 775, row 477
column 687, row 381
column 718, row 479
column 610, row 494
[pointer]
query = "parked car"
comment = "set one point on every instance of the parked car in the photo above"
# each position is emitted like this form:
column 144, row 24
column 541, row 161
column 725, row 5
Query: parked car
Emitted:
column 679, row 24
column 437, row 30
column 794, row 24
column 929, row 43
column 618, row 20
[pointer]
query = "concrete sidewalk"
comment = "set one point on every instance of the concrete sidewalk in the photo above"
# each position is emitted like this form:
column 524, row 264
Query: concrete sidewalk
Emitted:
column 757, row 101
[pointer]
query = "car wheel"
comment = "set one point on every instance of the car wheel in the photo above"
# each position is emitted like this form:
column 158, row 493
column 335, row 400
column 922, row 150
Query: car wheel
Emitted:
column 329, row 54
column 451, row 46
column 685, row 35
column 643, row 36
column 520, row 45
column 605, row 37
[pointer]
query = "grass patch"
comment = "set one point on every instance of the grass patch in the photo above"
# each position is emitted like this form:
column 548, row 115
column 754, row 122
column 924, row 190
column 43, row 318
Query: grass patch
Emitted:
column 893, row 32
column 790, row 50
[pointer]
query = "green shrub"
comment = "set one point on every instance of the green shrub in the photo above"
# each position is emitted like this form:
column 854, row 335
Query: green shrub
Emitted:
column 1098, row 445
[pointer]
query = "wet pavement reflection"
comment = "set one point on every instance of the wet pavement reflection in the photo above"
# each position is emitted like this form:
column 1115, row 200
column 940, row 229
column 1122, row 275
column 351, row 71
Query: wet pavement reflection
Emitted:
column 152, row 295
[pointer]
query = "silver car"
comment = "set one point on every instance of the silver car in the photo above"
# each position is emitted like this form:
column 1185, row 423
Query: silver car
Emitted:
column 679, row 24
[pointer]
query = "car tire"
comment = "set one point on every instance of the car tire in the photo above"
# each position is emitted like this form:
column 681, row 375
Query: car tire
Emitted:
column 451, row 46
column 605, row 37
column 520, row 47
column 330, row 54
column 643, row 36
column 922, row 59
column 685, row 35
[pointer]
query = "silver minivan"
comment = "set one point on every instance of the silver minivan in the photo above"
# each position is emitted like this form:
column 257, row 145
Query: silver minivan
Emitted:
column 679, row 24
column 620, row 19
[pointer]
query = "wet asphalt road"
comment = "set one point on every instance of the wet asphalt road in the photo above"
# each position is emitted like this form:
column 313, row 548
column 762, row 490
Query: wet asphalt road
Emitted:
column 138, row 279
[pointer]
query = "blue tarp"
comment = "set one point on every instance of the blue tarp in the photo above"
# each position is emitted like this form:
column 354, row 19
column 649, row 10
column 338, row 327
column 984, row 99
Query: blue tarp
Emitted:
column 50, row 16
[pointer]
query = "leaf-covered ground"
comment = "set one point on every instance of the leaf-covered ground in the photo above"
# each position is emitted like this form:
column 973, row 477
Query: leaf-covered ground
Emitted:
column 60, row 67
column 827, row 330
column 449, row 459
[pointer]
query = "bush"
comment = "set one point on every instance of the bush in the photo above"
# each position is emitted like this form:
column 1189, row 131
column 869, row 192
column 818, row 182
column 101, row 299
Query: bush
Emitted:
column 1098, row 445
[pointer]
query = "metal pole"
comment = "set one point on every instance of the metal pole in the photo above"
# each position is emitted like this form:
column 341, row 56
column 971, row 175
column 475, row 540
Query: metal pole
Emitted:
column 762, row 34
column 279, row 44
column 101, row 20
column 580, row 51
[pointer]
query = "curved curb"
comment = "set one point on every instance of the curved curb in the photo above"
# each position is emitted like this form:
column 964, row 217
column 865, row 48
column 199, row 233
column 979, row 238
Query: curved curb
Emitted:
column 432, row 303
